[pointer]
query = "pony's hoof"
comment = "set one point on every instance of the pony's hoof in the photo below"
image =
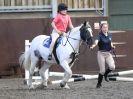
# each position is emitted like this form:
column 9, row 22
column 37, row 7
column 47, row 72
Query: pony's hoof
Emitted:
column 25, row 82
column 49, row 82
column 31, row 87
column 62, row 84
column 40, row 86
column 66, row 87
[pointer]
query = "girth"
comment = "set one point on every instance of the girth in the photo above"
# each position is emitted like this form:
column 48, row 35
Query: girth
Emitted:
column 73, row 55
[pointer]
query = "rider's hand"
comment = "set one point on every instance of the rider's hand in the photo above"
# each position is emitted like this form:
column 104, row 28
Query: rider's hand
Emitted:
column 64, row 34
column 59, row 32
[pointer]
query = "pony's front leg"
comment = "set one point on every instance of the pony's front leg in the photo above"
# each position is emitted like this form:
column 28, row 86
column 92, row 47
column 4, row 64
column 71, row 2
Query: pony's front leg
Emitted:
column 67, row 74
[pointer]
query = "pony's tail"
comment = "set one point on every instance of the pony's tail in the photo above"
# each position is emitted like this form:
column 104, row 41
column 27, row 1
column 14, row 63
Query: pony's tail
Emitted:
column 24, row 60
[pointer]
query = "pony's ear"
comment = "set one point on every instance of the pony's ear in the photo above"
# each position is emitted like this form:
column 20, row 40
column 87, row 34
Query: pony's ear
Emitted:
column 85, row 22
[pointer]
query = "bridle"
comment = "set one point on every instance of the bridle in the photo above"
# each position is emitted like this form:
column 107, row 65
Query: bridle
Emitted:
column 78, row 40
column 69, row 41
column 70, row 37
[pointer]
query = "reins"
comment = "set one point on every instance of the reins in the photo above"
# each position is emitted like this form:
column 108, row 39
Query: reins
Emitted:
column 72, row 46
column 70, row 37
column 67, row 37
column 69, row 41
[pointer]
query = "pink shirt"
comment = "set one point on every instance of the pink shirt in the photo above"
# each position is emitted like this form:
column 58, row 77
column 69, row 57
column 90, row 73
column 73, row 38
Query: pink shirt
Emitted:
column 62, row 22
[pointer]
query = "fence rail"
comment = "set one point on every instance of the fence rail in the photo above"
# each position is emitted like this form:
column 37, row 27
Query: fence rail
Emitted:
column 24, row 2
column 81, row 4
column 48, row 5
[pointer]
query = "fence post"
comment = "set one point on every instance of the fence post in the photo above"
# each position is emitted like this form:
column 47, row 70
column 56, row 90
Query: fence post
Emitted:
column 105, row 5
column 23, row 3
column 27, row 44
column 13, row 3
column 29, row 2
column 40, row 2
column 54, row 7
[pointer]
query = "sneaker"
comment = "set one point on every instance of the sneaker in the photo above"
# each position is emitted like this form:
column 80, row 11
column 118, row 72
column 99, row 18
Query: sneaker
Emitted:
column 50, row 57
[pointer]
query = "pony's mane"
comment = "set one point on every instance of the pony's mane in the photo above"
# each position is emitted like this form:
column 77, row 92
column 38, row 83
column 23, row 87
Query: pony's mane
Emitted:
column 75, row 29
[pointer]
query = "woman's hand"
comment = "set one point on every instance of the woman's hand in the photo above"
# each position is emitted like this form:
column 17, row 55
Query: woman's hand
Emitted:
column 91, row 47
column 113, row 47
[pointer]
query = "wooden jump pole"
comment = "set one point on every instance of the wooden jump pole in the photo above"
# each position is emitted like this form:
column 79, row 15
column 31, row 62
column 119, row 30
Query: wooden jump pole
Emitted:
column 120, row 79
column 121, row 73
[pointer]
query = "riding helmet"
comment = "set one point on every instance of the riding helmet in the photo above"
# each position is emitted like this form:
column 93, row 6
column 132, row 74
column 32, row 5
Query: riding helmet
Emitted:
column 62, row 6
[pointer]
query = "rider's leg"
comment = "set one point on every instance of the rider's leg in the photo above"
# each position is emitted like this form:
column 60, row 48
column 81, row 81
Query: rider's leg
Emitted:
column 54, row 36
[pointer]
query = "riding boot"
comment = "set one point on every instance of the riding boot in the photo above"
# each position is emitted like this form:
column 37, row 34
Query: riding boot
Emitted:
column 51, row 51
column 50, row 56
column 100, row 78
column 106, row 74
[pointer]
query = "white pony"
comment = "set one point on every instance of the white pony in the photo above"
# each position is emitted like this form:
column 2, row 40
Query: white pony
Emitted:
column 63, row 54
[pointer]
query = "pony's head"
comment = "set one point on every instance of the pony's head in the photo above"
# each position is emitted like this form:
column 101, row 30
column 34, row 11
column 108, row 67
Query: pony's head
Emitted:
column 86, row 33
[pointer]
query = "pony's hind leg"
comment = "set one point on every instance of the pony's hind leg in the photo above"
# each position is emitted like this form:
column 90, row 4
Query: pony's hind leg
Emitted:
column 31, row 72
column 44, row 73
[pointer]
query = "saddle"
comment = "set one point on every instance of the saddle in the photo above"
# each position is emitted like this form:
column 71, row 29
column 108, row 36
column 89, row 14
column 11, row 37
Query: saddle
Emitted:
column 47, row 42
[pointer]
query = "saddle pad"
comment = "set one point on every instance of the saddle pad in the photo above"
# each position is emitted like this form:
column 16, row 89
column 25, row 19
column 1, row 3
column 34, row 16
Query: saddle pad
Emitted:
column 47, row 42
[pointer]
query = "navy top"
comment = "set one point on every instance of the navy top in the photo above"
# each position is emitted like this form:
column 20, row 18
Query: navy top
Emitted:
column 104, row 42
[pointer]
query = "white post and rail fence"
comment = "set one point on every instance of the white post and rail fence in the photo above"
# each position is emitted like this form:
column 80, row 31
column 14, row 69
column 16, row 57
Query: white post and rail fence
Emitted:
column 51, row 6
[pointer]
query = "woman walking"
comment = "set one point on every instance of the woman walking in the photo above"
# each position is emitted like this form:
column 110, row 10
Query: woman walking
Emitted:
column 104, row 42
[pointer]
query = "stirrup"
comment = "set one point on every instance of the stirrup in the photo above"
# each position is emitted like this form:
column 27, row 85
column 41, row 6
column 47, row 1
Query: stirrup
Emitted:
column 50, row 57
